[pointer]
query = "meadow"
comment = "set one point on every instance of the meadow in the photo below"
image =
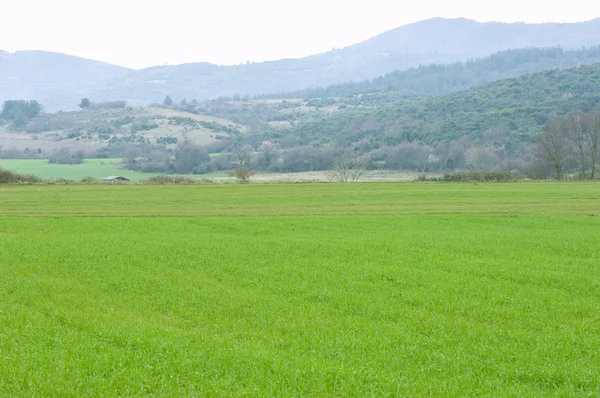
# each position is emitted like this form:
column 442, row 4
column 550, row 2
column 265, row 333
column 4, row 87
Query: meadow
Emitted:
column 96, row 168
column 379, row 289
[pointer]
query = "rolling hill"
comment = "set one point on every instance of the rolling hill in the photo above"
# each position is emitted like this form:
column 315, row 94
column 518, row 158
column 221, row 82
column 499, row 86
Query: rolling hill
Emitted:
column 59, row 80
column 518, row 107
column 56, row 80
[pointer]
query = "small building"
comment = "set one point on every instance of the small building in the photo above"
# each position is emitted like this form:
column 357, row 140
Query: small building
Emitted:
column 115, row 178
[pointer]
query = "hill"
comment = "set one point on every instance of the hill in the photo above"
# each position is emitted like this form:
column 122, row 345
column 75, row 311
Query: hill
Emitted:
column 111, row 132
column 459, row 76
column 56, row 80
column 517, row 107
column 59, row 81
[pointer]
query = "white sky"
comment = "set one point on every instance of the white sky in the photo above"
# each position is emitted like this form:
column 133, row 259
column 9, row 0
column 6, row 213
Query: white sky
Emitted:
column 141, row 33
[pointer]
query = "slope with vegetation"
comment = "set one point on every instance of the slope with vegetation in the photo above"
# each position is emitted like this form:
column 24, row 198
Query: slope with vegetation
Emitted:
column 437, row 79
column 102, row 130
column 519, row 106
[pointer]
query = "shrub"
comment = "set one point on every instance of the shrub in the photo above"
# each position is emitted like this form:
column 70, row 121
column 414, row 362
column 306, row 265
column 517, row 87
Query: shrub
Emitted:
column 10, row 177
column 169, row 180
column 481, row 176
column 143, row 125
column 89, row 180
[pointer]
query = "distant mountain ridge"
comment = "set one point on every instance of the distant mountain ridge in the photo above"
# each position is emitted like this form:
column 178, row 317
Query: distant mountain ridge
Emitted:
column 449, row 78
column 434, row 41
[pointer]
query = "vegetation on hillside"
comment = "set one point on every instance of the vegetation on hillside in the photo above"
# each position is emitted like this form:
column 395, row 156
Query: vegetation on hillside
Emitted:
column 459, row 76
column 518, row 106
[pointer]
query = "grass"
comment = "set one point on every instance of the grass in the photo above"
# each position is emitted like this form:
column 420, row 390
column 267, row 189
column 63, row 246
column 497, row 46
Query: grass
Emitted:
column 300, row 290
column 97, row 168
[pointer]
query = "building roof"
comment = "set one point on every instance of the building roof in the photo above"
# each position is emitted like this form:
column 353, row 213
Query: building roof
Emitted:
column 115, row 178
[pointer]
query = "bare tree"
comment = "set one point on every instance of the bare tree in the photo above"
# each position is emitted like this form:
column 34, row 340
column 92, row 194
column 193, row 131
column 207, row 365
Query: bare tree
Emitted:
column 593, row 140
column 574, row 127
column 552, row 147
column 583, row 131
column 242, row 174
column 348, row 167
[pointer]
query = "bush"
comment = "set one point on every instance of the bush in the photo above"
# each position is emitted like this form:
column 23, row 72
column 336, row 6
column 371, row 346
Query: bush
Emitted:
column 169, row 180
column 89, row 180
column 481, row 176
column 143, row 125
column 10, row 177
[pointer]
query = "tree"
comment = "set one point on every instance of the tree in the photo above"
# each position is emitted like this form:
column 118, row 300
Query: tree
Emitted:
column 189, row 158
column 552, row 147
column 85, row 103
column 574, row 127
column 64, row 156
column 20, row 112
column 268, row 153
column 594, row 141
column 582, row 131
column 168, row 101
column 242, row 174
column 349, row 167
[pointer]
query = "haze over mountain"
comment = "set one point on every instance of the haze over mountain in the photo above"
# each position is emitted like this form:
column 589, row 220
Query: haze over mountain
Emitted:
column 58, row 81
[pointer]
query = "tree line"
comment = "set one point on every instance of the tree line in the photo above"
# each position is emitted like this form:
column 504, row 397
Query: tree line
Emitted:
column 571, row 144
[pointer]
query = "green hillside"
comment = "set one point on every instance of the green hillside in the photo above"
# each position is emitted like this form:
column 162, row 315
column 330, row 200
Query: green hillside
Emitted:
column 520, row 105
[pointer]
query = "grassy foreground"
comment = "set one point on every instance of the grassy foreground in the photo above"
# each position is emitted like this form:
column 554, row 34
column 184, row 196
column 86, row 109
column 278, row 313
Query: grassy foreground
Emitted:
column 306, row 290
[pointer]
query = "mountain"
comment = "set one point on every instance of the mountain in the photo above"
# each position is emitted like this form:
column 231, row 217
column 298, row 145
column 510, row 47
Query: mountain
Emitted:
column 56, row 80
column 434, row 41
column 459, row 76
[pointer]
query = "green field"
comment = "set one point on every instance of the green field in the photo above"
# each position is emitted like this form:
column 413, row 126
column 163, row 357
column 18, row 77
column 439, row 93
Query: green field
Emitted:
column 97, row 168
column 403, row 289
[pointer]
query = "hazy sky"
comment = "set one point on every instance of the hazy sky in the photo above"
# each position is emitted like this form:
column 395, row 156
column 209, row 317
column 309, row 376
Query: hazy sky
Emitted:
column 141, row 33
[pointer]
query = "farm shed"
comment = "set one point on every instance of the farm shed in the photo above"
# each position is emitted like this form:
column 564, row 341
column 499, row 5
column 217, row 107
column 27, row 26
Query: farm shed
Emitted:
column 115, row 178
